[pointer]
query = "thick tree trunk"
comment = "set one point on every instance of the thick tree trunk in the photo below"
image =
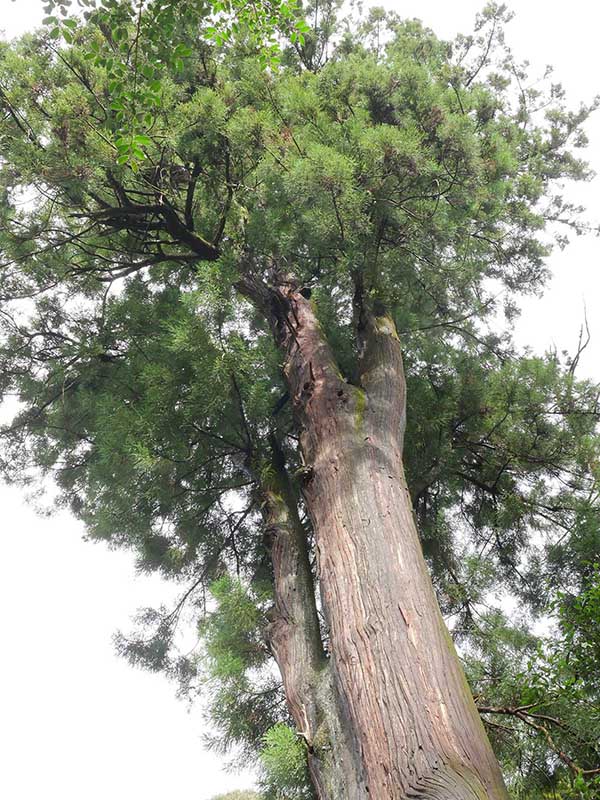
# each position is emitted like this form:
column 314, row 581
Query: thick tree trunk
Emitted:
column 410, row 713
column 295, row 641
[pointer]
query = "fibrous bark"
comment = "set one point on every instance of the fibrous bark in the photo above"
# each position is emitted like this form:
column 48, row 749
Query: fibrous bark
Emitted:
column 411, row 720
column 295, row 640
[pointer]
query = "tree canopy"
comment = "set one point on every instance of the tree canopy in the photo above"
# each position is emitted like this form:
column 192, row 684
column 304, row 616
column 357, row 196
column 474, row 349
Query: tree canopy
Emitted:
column 370, row 154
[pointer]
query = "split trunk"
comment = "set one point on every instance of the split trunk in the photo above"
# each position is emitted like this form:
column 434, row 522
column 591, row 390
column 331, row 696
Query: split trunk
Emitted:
column 389, row 715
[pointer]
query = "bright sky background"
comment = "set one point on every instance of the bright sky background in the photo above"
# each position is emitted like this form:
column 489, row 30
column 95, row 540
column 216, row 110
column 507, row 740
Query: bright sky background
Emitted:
column 75, row 721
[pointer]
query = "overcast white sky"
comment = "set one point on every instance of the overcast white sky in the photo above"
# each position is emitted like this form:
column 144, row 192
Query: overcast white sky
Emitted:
column 75, row 721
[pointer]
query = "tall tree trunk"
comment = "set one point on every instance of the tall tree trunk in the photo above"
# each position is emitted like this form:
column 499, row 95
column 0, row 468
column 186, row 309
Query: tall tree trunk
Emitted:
column 295, row 640
column 410, row 712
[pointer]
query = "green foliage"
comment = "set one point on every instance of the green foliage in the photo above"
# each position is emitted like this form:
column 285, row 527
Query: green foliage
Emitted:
column 246, row 698
column 578, row 616
column 137, row 43
column 541, row 709
column 140, row 178
column 237, row 796
column 283, row 761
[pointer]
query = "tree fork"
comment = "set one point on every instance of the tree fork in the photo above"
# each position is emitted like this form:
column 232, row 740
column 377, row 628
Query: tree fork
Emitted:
column 402, row 689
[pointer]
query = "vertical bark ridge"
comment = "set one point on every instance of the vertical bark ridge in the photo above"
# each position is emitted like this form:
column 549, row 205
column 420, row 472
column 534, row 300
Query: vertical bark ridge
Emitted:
column 380, row 367
column 403, row 692
column 295, row 639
